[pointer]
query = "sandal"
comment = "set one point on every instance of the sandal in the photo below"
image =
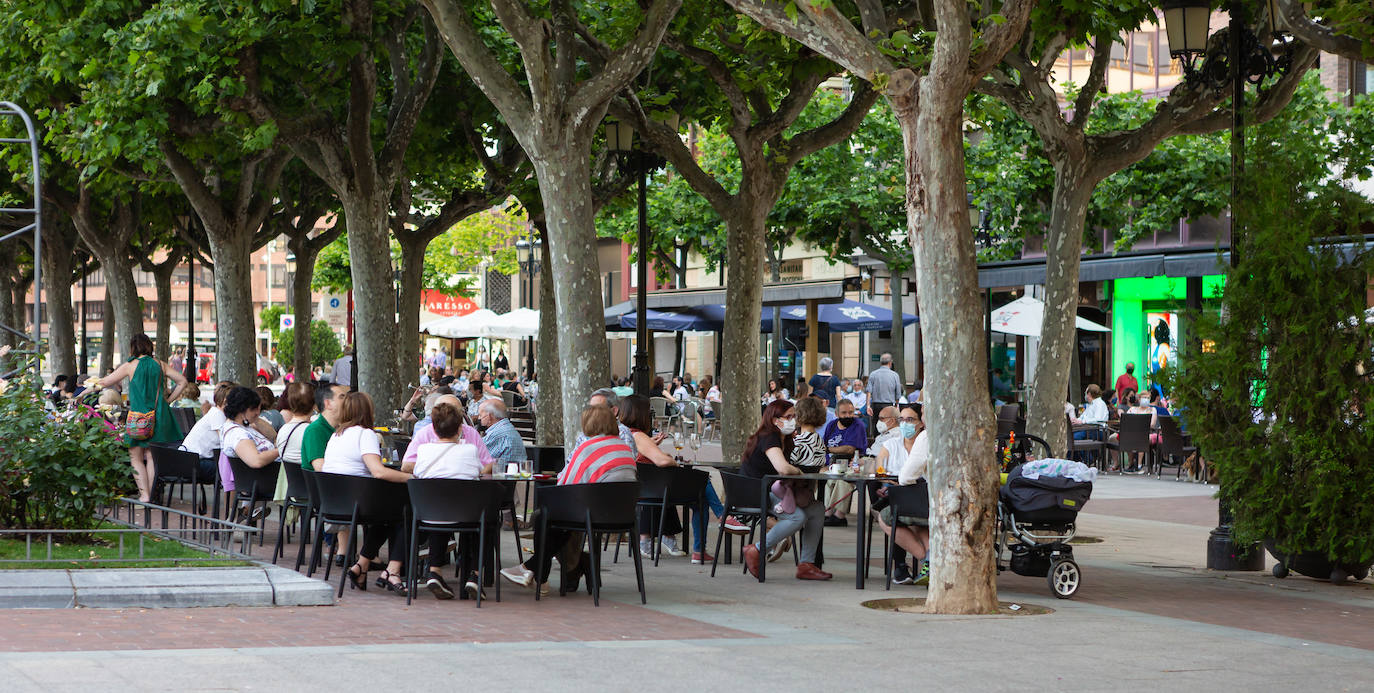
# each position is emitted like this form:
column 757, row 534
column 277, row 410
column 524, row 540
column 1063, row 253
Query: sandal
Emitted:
column 357, row 579
column 385, row 581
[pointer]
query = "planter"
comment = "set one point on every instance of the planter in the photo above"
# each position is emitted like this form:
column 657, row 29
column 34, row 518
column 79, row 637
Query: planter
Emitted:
column 1314, row 565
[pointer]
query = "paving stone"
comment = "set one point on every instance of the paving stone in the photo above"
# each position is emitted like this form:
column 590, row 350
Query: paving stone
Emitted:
column 35, row 589
column 290, row 588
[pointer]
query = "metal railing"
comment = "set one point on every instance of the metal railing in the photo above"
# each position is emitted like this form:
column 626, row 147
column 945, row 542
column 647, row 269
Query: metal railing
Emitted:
column 197, row 531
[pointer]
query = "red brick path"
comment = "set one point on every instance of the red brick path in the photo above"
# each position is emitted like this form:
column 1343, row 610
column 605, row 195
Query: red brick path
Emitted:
column 359, row 619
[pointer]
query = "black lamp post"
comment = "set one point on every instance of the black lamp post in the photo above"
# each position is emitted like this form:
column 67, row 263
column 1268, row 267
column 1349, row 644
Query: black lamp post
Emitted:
column 85, row 343
column 1239, row 58
column 528, row 267
column 620, row 139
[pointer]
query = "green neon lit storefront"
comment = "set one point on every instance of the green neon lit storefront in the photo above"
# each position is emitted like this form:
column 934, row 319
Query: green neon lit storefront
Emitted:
column 1147, row 324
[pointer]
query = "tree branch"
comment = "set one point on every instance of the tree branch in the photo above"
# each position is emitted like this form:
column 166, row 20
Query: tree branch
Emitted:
column 1318, row 35
column 999, row 38
column 829, row 33
column 811, row 141
column 629, row 61
column 478, row 61
column 1097, row 76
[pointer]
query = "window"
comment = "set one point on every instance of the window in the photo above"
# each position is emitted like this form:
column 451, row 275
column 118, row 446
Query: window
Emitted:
column 142, row 278
column 95, row 310
column 1140, row 49
column 278, row 276
column 179, row 311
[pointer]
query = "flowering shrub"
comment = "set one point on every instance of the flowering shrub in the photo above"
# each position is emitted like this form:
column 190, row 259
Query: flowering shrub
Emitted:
column 55, row 469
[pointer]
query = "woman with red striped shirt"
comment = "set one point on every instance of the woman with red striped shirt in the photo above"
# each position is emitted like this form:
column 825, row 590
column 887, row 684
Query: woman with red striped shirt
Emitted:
column 602, row 458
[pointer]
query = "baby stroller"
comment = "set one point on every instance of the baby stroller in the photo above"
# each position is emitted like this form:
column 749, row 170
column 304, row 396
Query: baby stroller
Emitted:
column 1039, row 515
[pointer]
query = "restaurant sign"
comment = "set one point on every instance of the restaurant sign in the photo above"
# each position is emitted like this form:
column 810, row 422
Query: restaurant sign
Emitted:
column 447, row 305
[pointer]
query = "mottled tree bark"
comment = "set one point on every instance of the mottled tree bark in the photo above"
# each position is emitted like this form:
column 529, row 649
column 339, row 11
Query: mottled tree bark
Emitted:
column 549, row 422
column 107, row 337
column 58, row 255
column 739, row 377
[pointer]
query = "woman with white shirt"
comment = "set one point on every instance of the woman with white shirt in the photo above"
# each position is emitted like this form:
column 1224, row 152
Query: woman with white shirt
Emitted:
column 909, row 455
column 241, row 439
column 300, row 405
column 451, row 457
column 356, row 450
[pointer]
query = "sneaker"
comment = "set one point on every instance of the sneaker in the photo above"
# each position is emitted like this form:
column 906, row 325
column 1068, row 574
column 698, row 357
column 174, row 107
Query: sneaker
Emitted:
column 735, row 525
column 779, row 550
column 646, row 548
column 832, row 521
column 670, row 547
column 702, row 558
column 473, row 588
column 519, row 575
column 438, row 587
column 923, row 573
column 901, row 574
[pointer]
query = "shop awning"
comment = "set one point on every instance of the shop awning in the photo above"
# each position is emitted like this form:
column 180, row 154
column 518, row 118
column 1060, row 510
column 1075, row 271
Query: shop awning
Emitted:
column 780, row 294
column 1094, row 268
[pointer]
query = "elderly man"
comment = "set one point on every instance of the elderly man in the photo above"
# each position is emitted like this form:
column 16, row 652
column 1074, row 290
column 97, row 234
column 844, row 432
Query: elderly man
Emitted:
column 886, row 426
column 426, row 434
column 606, row 397
column 884, row 386
column 502, row 440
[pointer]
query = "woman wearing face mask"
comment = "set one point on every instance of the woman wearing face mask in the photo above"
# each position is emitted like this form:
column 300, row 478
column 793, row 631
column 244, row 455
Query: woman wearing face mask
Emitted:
column 767, row 452
column 909, row 454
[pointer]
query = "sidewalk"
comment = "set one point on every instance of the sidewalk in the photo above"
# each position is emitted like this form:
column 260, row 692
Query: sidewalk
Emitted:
column 1147, row 616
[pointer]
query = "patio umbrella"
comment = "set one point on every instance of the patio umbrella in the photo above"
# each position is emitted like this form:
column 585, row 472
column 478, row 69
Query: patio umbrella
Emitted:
column 849, row 316
column 517, row 324
column 1024, row 316
column 460, row 326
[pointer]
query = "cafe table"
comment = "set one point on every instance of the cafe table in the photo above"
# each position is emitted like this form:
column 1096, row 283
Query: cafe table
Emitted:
column 861, row 483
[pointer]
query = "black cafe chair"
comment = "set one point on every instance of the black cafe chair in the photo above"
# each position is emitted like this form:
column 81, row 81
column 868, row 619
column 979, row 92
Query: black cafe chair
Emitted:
column 312, row 510
column 353, row 501
column 597, row 510
column 741, row 501
column 1133, row 437
column 180, row 468
column 1174, row 449
column 297, row 497
column 668, row 488
column 255, row 487
column 455, row 506
column 912, row 500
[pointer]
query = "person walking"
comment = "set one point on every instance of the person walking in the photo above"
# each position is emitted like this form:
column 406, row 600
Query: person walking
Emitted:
column 1127, row 382
column 884, row 386
column 147, row 398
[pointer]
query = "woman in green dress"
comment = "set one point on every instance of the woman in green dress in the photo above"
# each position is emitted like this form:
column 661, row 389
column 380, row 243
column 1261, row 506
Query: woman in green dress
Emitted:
column 148, row 392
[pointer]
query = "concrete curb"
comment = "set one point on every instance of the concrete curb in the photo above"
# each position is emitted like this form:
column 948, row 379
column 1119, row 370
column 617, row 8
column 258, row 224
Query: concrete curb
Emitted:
column 160, row 588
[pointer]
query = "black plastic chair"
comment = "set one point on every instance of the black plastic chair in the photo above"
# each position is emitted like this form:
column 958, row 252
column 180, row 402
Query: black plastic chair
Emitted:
column 312, row 511
column 352, row 501
column 668, row 488
column 597, row 510
column 1133, row 437
column 454, row 505
column 741, row 501
column 548, row 459
column 1172, row 446
column 906, row 501
column 180, row 468
column 1093, row 443
column 298, row 497
column 254, row 486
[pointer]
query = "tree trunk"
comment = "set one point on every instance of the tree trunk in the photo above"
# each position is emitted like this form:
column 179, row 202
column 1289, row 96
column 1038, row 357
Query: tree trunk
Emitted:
column 1058, row 332
column 107, row 337
column 564, row 175
column 744, row 256
column 374, row 307
column 235, row 326
column 775, row 354
column 412, row 278
column 895, row 285
column 57, row 275
column 163, row 278
column 303, row 308
column 962, row 476
column 123, row 294
column 549, row 422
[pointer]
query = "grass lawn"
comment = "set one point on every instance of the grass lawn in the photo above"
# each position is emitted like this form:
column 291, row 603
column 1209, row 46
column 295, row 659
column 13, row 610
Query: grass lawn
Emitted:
column 102, row 551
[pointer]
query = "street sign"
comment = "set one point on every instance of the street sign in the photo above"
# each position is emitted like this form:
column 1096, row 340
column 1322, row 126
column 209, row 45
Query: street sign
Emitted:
column 334, row 311
column 288, row 321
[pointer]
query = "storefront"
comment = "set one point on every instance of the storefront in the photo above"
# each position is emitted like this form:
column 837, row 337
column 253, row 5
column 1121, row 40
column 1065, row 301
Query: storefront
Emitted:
column 1149, row 320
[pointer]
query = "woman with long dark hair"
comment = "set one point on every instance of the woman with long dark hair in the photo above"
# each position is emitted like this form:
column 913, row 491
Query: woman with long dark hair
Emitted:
column 767, row 452
column 637, row 416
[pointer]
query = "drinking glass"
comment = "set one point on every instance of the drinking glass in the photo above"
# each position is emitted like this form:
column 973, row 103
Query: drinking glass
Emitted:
column 694, row 442
column 526, row 468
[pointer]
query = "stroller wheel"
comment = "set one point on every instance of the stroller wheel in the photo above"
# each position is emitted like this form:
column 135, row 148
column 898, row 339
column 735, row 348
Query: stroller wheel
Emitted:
column 1064, row 578
column 1280, row 571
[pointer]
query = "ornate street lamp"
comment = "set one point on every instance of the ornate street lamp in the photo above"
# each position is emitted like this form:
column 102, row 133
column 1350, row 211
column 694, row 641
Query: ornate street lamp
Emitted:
column 1238, row 58
column 528, row 268
column 620, row 138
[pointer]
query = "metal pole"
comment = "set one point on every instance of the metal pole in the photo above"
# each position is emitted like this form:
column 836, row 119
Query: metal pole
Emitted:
column 85, row 353
column 190, row 368
column 641, row 367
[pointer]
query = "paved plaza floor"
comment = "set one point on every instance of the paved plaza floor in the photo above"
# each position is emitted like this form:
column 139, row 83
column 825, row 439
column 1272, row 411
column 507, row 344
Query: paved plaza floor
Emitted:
column 1148, row 616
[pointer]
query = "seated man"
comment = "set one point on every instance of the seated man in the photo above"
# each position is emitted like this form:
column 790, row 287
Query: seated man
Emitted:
column 844, row 438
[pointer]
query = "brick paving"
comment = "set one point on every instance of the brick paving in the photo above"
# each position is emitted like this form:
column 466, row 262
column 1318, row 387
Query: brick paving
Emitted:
column 369, row 618
column 1191, row 510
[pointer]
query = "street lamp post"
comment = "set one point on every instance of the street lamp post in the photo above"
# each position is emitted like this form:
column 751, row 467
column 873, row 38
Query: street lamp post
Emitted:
column 620, row 138
column 85, row 343
column 1240, row 59
column 528, row 267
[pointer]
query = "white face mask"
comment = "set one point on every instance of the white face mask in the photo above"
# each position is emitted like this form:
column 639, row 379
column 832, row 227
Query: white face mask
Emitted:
column 882, row 426
column 787, row 426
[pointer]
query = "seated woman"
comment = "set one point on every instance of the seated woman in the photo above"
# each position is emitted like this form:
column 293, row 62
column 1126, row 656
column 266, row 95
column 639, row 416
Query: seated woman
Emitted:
column 767, row 452
column 241, row 438
column 908, row 454
column 300, row 405
column 602, row 458
column 1138, row 407
column 356, row 450
column 449, row 456
column 635, row 414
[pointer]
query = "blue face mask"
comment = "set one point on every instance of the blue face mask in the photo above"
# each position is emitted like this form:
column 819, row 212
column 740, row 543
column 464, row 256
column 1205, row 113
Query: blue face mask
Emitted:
column 908, row 430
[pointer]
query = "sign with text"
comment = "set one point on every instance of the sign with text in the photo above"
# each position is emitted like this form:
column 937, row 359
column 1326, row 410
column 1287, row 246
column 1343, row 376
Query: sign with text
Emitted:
column 446, row 305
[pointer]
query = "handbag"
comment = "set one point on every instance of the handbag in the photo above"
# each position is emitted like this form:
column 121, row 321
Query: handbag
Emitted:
column 141, row 424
